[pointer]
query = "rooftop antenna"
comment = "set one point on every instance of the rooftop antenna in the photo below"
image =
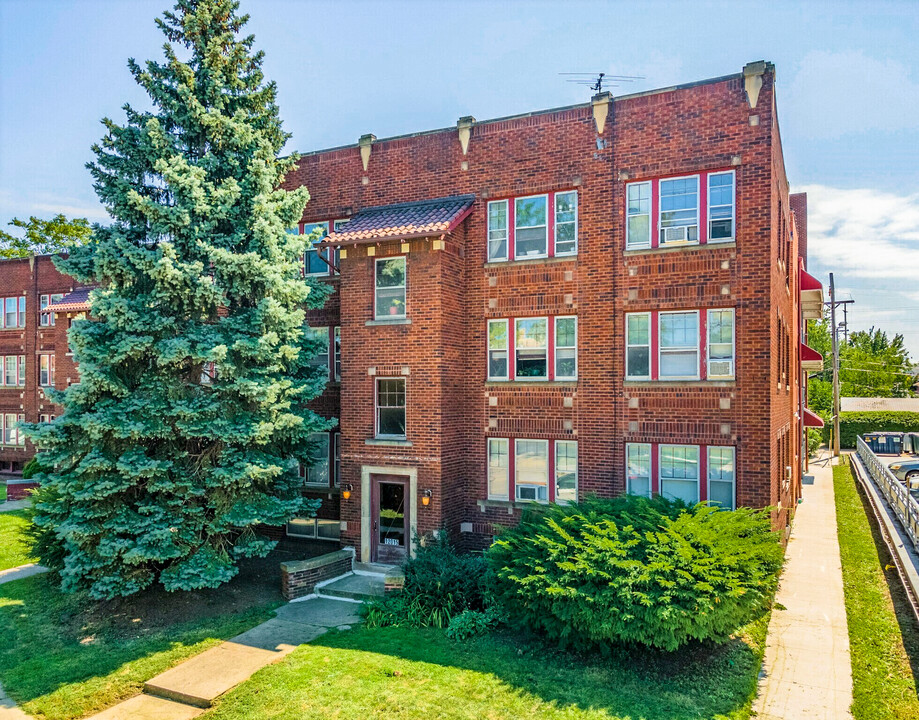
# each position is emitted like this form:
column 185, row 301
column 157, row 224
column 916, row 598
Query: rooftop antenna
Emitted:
column 596, row 81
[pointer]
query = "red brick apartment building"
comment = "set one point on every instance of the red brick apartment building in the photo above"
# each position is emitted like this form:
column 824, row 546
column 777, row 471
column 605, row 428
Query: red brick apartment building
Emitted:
column 600, row 298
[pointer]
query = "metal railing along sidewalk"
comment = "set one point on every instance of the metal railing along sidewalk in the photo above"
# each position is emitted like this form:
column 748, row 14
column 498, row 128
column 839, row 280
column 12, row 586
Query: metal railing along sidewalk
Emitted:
column 895, row 492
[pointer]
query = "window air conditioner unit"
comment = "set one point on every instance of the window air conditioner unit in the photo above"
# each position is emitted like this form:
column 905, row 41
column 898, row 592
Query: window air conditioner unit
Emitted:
column 527, row 492
column 721, row 368
column 682, row 234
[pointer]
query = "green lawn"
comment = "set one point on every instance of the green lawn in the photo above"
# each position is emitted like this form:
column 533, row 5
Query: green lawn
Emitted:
column 883, row 635
column 13, row 551
column 2, row 492
column 402, row 673
column 62, row 656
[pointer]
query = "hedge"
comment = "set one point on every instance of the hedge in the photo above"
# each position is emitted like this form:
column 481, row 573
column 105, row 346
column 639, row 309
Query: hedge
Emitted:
column 853, row 424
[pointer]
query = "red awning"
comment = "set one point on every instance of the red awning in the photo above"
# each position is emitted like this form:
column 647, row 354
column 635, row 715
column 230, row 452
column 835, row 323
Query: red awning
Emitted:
column 811, row 360
column 809, row 282
column 812, row 419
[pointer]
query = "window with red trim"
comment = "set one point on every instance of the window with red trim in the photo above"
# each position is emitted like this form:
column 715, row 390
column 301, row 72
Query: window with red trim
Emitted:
column 533, row 226
column 540, row 348
column 692, row 473
column 532, row 470
column 687, row 210
column 680, row 345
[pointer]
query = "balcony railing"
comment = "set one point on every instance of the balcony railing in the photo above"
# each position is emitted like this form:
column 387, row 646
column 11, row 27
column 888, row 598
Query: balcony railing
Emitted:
column 897, row 494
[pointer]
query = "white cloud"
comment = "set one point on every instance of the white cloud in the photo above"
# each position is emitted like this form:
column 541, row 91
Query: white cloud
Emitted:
column 864, row 233
column 835, row 94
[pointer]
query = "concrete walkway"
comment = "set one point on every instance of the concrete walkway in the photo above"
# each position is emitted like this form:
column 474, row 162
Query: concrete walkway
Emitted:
column 186, row 690
column 807, row 673
column 8, row 709
column 23, row 571
column 11, row 505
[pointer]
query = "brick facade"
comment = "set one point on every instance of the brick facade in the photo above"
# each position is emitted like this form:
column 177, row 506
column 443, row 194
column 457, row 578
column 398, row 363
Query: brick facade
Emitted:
column 30, row 278
column 452, row 291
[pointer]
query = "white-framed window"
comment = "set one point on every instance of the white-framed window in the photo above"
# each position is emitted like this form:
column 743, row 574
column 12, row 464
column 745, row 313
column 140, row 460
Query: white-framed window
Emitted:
column 497, row 230
column 320, row 336
column 566, row 348
column 720, row 353
column 390, row 408
column 10, row 368
column 638, row 215
column 336, row 459
column 46, row 370
column 721, row 206
column 638, row 469
column 679, row 472
column 721, row 477
column 22, row 371
column 566, row 471
column 531, row 227
column 45, row 418
column 13, row 312
column 566, row 223
column 638, row 346
column 390, row 284
column 678, row 348
column 47, row 319
column 531, row 349
column 316, row 263
column 336, row 253
column 11, row 434
column 317, row 473
column 314, row 528
column 336, row 360
column 497, row 350
column 679, row 211
column 498, row 469
column 531, row 470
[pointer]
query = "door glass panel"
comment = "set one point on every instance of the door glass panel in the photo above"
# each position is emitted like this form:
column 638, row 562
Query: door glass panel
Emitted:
column 392, row 514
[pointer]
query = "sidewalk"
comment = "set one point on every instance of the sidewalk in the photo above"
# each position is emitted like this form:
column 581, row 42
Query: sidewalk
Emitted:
column 11, row 505
column 807, row 671
column 23, row 571
column 186, row 690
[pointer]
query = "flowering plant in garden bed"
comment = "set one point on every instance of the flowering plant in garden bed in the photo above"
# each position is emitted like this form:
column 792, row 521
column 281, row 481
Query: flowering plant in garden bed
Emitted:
column 634, row 570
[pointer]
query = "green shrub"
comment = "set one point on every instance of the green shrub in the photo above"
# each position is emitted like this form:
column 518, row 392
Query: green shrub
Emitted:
column 400, row 610
column 471, row 623
column 635, row 570
column 31, row 468
column 814, row 440
column 853, row 424
column 440, row 582
column 41, row 532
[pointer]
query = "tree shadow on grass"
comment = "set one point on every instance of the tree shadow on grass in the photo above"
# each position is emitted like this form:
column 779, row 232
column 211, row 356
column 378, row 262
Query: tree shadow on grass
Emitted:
column 49, row 640
column 699, row 681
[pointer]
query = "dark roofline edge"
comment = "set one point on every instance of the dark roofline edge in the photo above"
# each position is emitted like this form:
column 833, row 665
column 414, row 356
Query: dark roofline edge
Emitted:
column 533, row 113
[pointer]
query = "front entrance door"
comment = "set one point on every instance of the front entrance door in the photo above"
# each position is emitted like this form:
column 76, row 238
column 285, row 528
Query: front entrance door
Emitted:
column 389, row 533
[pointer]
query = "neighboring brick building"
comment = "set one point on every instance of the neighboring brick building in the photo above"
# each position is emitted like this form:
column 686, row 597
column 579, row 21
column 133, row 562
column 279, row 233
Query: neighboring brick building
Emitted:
column 35, row 356
column 591, row 299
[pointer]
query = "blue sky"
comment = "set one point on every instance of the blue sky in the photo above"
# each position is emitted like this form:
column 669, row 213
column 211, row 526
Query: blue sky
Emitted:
column 848, row 93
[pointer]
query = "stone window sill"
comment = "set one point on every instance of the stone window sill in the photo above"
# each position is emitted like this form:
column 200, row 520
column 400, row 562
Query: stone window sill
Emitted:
column 384, row 442
column 510, row 505
column 678, row 383
column 680, row 248
column 393, row 321
column 532, row 261
column 521, row 384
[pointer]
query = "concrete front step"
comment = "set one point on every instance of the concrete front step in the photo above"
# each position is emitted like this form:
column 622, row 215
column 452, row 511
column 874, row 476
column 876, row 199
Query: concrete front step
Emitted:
column 354, row 587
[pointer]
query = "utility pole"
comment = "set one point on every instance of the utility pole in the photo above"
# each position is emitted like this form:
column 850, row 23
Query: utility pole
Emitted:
column 835, row 368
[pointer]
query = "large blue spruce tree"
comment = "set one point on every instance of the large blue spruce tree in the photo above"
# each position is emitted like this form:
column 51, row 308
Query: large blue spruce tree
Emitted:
column 183, row 434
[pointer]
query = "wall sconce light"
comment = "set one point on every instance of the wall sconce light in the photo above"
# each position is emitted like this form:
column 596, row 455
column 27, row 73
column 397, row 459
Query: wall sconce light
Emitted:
column 426, row 497
column 346, row 491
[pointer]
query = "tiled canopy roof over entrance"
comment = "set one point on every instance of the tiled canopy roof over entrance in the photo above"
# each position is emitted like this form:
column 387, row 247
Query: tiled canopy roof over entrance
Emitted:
column 404, row 221
column 74, row 301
